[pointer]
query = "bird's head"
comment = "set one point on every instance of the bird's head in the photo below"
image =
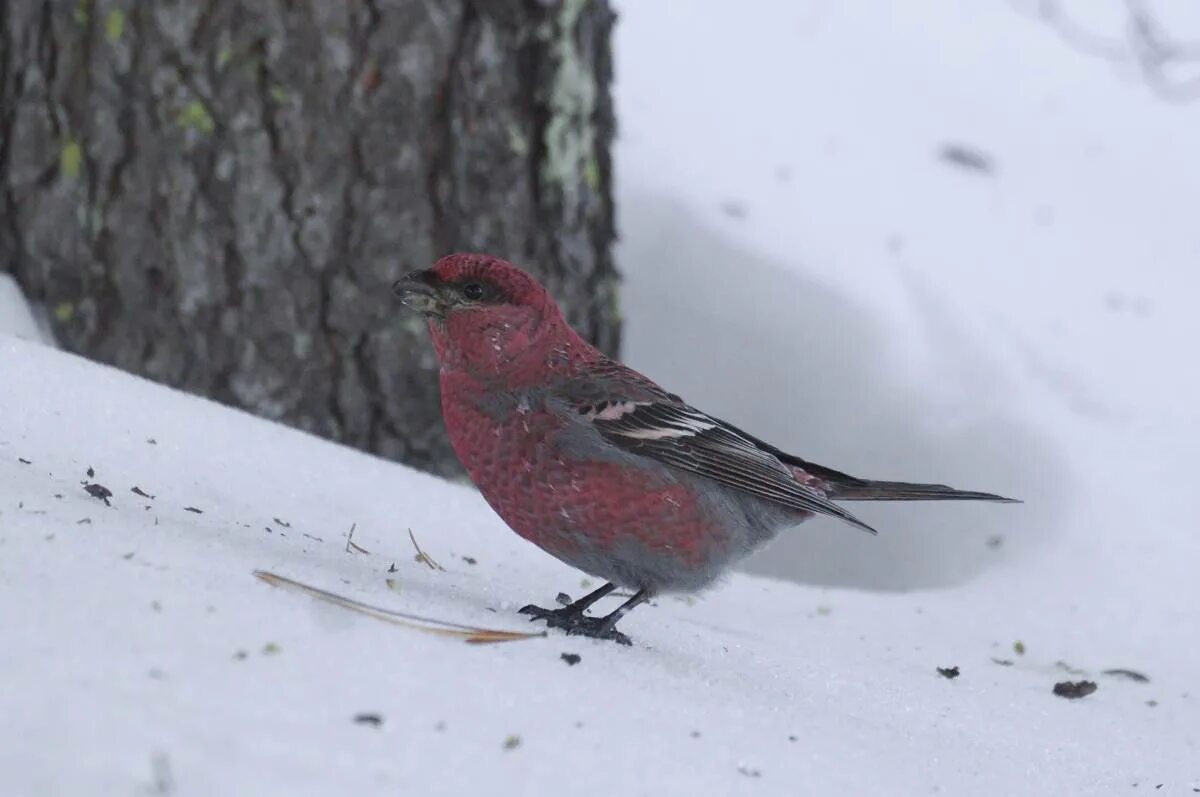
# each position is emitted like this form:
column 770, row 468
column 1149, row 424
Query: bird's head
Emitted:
column 484, row 313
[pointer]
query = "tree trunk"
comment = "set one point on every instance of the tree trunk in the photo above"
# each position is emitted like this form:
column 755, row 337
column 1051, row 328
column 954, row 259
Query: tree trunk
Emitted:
column 217, row 195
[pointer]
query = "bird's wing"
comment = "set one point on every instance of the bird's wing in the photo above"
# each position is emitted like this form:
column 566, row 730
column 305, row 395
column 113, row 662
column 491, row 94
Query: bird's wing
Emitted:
column 634, row 414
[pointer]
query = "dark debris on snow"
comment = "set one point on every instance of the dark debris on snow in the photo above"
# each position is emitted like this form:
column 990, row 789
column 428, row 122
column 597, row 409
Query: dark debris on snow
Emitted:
column 1073, row 690
column 98, row 491
column 368, row 719
column 1132, row 675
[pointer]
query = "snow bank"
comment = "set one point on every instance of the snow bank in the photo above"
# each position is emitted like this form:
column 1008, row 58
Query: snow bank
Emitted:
column 139, row 650
column 804, row 259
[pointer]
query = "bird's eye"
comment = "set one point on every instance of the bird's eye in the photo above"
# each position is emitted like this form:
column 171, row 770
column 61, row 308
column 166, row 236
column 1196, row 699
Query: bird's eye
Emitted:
column 473, row 291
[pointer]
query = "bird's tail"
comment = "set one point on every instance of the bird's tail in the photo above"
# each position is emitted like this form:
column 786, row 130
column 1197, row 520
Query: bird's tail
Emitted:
column 844, row 487
column 867, row 490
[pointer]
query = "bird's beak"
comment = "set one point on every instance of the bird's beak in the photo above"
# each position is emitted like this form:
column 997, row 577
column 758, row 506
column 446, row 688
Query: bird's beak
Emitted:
column 418, row 291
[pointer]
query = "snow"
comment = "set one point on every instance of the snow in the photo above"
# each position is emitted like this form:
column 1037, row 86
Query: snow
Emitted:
column 877, row 310
column 16, row 316
column 914, row 320
column 123, row 637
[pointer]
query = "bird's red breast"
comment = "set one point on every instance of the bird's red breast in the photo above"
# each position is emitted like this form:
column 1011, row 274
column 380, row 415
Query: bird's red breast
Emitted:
column 565, row 504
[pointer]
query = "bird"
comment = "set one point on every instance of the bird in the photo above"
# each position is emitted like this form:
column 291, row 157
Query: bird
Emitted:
column 597, row 464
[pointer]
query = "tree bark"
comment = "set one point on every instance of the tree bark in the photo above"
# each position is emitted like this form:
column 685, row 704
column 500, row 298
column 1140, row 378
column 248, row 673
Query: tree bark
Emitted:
column 218, row 194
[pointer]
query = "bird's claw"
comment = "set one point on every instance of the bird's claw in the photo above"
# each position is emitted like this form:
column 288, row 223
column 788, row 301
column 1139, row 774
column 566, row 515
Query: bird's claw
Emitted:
column 537, row 612
column 576, row 623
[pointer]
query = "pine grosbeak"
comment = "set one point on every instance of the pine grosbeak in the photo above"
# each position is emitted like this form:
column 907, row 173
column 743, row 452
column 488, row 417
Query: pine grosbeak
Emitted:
column 596, row 464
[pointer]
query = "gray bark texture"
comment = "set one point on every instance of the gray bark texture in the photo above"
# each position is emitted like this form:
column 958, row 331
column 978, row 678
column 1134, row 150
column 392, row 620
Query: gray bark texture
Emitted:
column 217, row 195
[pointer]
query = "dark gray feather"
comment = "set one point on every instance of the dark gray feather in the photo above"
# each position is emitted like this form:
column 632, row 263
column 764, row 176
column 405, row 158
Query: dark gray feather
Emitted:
column 683, row 437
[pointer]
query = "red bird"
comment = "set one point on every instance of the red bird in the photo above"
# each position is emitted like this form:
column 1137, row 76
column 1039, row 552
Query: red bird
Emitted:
column 596, row 464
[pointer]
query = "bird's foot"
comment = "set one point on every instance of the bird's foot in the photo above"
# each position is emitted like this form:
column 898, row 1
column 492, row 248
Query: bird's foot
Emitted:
column 576, row 623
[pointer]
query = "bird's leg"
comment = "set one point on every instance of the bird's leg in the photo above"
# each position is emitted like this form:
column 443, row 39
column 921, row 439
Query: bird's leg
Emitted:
column 608, row 623
column 572, row 619
column 566, row 613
